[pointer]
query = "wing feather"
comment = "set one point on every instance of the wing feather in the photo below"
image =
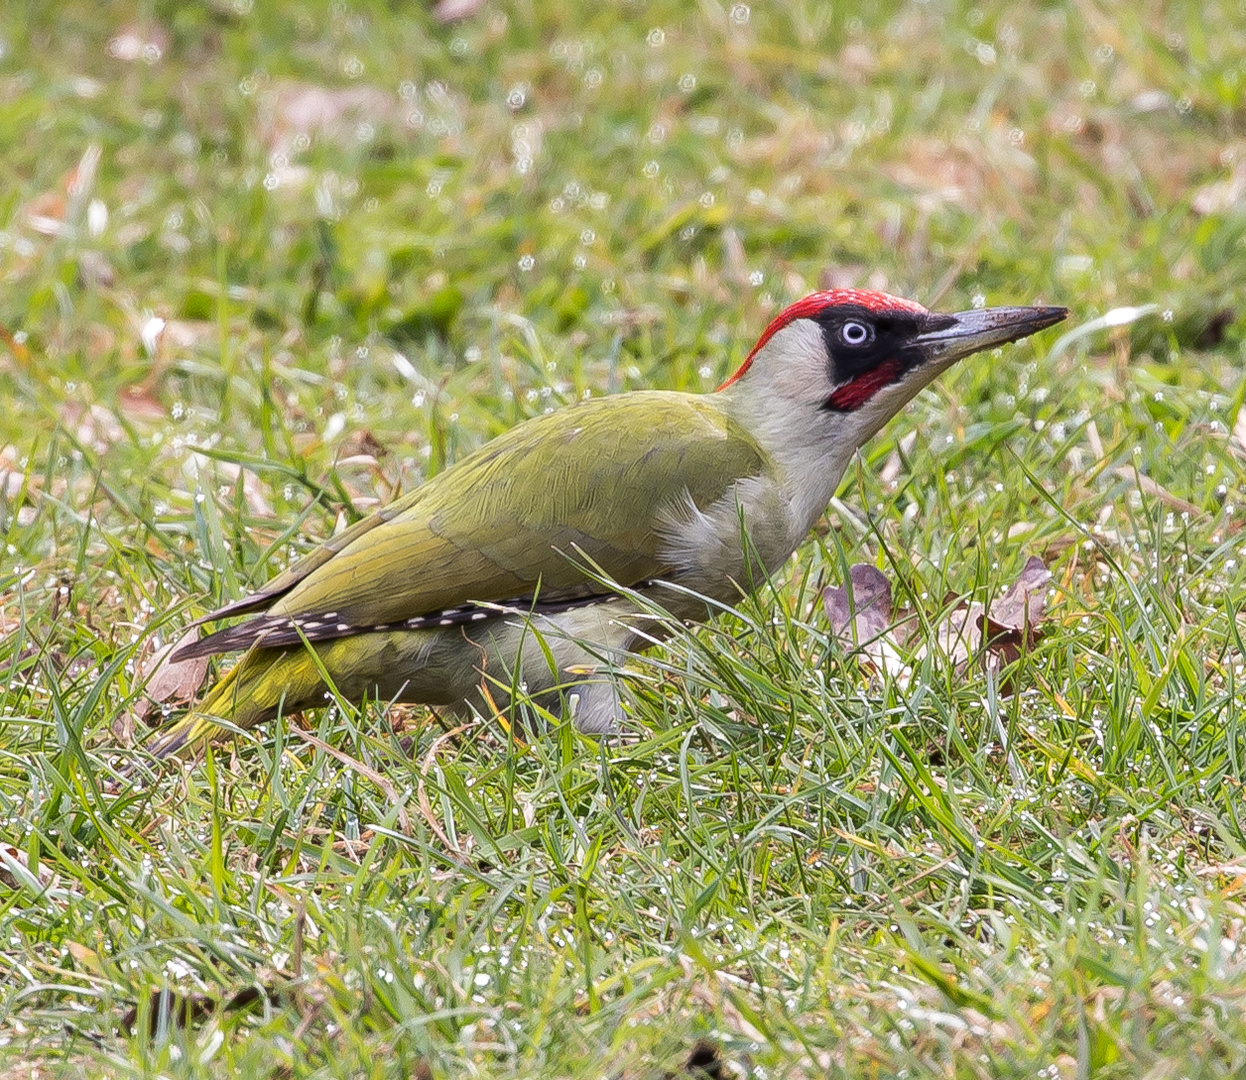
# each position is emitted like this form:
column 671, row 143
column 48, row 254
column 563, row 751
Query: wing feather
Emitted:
column 526, row 513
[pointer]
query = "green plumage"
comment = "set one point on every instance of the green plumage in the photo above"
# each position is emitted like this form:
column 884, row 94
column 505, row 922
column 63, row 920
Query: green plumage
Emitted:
column 584, row 479
column 587, row 485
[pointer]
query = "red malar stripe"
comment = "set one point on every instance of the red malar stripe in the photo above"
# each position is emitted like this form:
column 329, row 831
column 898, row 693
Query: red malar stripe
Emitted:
column 856, row 392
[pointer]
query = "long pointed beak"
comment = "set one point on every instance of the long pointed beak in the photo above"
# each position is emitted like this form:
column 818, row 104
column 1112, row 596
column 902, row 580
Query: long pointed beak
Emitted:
column 971, row 331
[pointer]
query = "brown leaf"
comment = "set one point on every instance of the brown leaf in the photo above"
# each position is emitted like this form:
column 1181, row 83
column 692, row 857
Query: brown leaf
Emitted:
column 167, row 339
column 998, row 635
column 252, row 488
column 958, row 635
column 48, row 211
column 12, row 475
column 19, row 348
column 92, row 425
column 138, row 403
column 861, row 617
column 1025, row 603
column 895, row 462
column 362, row 443
column 1011, row 623
column 95, row 271
column 15, row 871
column 86, row 958
column 253, row 492
column 860, row 610
column 45, row 213
column 180, row 1010
column 139, row 42
column 321, row 114
column 1221, row 195
column 169, row 683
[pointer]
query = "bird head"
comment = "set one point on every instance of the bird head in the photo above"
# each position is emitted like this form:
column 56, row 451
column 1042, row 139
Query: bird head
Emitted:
column 859, row 356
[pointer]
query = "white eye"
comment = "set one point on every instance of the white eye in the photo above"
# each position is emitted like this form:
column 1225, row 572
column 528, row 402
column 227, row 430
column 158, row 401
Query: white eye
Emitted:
column 855, row 333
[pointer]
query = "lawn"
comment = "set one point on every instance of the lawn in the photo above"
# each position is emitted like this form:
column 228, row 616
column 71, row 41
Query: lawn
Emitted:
column 265, row 267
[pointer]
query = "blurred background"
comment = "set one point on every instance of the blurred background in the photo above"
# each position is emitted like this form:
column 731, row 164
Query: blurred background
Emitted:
column 213, row 208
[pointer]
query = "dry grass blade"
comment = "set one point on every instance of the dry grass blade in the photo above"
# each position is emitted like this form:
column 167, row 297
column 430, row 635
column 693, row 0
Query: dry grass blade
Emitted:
column 354, row 764
column 426, row 808
column 1150, row 487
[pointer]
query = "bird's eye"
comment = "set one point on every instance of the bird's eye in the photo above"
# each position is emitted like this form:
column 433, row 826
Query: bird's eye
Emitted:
column 855, row 333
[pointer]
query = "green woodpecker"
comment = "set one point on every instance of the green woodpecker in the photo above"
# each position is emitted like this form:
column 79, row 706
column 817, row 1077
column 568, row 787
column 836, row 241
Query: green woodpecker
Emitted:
column 441, row 598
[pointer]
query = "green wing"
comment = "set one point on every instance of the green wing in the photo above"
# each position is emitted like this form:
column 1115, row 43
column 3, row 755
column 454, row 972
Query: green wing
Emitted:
column 585, row 483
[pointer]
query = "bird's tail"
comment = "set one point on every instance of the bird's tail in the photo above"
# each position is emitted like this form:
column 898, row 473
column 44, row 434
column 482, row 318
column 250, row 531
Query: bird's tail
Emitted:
column 254, row 690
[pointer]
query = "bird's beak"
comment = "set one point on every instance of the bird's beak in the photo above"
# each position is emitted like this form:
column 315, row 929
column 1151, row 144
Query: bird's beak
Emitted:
column 952, row 337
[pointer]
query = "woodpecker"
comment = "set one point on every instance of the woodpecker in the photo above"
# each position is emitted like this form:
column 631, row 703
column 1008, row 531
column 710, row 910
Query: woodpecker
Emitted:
column 503, row 568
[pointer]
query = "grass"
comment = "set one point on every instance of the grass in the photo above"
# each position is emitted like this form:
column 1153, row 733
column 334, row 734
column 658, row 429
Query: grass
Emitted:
column 264, row 269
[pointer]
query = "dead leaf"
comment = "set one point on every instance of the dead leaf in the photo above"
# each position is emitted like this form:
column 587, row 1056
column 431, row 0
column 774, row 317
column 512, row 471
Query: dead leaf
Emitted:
column 138, row 403
column 958, row 635
column 17, row 347
column 92, row 425
column 132, row 43
column 95, row 271
column 362, row 442
column 9, row 623
column 1025, row 603
column 169, row 683
column 1012, row 621
column 180, row 1010
column 45, row 213
column 252, row 488
column 862, row 618
column 48, row 212
column 12, row 475
column 1000, row 634
column 253, row 492
column 861, row 610
column 87, row 959
column 895, row 461
column 358, row 461
column 166, row 339
column 295, row 114
column 15, row 871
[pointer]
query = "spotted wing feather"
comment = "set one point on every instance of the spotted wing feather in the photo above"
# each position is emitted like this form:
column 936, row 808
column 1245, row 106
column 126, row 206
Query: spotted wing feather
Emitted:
column 537, row 512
